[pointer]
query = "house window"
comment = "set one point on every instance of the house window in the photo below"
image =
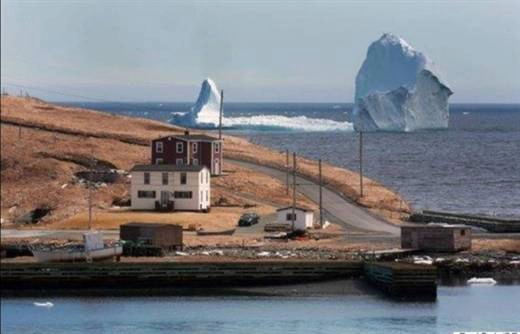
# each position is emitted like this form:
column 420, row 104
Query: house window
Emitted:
column 196, row 162
column 179, row 147
column 195, row 147
column 207, row 196
column 207, row 177
column 290, row 216
column 182, row 194
column 217, row 147
column 159, row 147
column 179, row 162
column 146, row 194
column 164, row 178
column 183, row 178
column 462, row 232
column 201, row 195
column 159, row 161
column 146, row 178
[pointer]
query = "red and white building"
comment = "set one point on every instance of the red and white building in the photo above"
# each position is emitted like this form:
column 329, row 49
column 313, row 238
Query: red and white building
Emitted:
column 188, row 150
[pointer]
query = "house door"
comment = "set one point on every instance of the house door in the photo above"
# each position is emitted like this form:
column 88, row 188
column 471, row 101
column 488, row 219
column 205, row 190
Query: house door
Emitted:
column 165, row 198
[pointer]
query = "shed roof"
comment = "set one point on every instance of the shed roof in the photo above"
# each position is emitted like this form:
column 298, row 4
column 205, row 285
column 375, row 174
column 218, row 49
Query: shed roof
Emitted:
column 167, row 168
column 142, row 224
column 198, row 137
column 437, row 226
column 299, row 208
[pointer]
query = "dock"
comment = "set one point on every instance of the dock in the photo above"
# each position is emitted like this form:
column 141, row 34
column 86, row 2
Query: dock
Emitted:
column 403, row 280
column 489, row 223
column 396, row 279
column 20, row 276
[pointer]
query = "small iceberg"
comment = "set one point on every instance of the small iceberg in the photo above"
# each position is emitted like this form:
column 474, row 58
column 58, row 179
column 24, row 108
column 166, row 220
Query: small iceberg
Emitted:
column 46, row 304
column 422, row 260
column 482, row 280
column 205, row 114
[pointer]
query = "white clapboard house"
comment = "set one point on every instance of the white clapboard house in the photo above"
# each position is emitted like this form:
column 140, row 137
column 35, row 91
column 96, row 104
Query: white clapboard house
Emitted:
column 171, row 187
column 304, row 218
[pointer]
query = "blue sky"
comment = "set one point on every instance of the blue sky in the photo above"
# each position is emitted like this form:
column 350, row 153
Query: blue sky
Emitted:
column 301, row 51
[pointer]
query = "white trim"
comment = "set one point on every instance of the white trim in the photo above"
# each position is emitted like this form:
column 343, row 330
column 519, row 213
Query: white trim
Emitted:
column 195, row 147
column 159, row 148
column 159, row 161
column 180, row 145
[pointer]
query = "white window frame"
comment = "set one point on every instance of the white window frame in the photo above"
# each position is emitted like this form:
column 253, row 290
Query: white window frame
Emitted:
column 195, row 147
column 165, row 178
column 217, row 147
column 159, row 147
column 179, row 147
column 179, row 162
column 195, row 162
column 159, row 161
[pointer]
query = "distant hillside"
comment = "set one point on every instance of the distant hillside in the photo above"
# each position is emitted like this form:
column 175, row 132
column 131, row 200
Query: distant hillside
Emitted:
column 44, row 146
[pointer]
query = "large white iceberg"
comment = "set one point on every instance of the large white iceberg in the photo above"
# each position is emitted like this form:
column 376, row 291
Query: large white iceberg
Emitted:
column 398, row 89
column 205, row 112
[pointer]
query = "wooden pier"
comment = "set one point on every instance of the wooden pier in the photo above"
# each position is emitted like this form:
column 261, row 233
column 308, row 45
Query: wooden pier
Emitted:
column 397, row 279
column 403, row 280
column 171, row 274
column 491, row 224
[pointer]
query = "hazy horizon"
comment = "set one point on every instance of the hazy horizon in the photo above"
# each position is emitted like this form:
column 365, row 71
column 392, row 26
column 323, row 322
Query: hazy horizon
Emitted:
column 257, row 52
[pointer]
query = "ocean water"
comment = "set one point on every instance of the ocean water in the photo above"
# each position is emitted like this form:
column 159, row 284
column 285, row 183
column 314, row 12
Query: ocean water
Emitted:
column 472, row 167
column 457, row 309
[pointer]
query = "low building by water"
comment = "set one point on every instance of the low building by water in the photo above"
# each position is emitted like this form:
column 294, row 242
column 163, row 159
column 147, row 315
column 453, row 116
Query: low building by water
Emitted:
column 436, row 237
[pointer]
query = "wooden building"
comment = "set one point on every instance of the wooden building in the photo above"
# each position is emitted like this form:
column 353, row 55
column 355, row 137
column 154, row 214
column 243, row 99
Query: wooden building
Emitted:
column 189, row 150
column 304, row 218
column 153, row 234
column 436, row 237
column 170, row 188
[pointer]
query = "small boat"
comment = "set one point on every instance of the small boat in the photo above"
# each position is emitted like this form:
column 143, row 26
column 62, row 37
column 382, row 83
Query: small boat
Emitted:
column 46, row 304
column 482, row 280
column 93, row 249
column 216, row 232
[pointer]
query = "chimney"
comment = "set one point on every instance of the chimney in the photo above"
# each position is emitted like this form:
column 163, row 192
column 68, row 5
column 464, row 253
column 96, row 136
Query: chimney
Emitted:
column 186, row 132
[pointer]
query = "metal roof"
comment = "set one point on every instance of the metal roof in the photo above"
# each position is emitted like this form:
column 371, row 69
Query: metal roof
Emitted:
column 167, row 168
column 296, row 208
column 190, row 137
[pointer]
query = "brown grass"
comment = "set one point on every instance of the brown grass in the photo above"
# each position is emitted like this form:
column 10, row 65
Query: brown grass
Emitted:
column 35, row 166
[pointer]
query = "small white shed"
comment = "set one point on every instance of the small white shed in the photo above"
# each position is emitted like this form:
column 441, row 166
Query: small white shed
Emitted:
column 304, row 217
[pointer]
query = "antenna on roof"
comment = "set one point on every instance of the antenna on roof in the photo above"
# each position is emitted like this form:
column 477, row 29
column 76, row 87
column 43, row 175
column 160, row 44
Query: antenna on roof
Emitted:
column 220, row 114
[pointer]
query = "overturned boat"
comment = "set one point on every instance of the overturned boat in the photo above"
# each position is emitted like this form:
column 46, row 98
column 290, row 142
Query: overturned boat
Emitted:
column 92, row 249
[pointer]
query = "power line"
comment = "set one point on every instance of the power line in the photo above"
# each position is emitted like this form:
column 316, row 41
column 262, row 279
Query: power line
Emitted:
column 45, row 90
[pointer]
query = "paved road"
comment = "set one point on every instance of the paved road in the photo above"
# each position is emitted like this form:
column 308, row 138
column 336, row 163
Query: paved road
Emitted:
column 337, row 208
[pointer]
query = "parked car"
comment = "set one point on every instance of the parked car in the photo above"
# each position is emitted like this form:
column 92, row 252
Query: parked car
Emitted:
column 248, row 219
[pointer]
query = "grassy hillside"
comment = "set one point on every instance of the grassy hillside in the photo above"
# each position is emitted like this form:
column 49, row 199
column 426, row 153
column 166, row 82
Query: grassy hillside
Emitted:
column 43, row 146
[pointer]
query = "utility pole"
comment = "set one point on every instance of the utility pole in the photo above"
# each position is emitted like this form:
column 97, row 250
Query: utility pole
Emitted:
column 360, row 163
column 90, row 192
column 321, row 197
column 220, row 114
column 293, row 216
column 287, row 171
